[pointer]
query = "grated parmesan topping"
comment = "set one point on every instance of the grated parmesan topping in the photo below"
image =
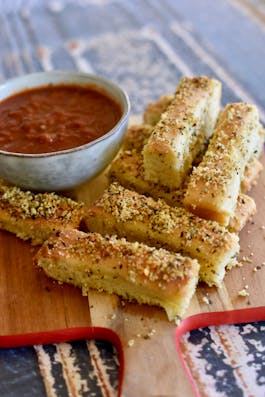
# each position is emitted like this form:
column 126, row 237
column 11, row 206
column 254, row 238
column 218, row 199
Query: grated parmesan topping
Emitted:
column 27, row 204
column 228, row 149
column 126, row 205
column 142, row 261
column 182, row 116
column 136, row 137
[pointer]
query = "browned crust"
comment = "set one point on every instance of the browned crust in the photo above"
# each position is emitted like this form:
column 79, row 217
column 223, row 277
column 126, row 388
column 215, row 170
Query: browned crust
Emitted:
column 180, row 134
column 128, row 170
column 245, row 210
column 214, row 185
column 251, row 174
column 35, row 216
column 136, row 137
column 154, row 109
column 107, row 263
column 137, row 217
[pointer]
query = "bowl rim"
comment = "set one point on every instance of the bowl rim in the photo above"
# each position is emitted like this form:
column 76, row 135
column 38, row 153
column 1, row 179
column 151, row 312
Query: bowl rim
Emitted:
column 82, row 75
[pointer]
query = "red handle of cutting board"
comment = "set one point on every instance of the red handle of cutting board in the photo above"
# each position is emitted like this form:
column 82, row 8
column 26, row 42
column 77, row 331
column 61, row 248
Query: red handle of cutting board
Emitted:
column 190, row 323
column 67, row 335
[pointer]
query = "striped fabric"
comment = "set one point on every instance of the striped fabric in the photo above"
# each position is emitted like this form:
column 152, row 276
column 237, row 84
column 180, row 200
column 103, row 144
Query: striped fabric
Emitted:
column 227, row 360
column 80, row 368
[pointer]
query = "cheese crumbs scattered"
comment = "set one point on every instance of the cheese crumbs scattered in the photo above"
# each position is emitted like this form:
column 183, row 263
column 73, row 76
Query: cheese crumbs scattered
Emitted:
column 244, row 292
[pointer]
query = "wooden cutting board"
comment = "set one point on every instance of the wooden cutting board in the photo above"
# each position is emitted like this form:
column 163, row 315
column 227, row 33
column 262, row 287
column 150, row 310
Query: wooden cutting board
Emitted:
column 30, row 302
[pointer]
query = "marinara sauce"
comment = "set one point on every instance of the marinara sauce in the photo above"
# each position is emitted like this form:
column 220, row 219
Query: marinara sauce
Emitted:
column 55, row 117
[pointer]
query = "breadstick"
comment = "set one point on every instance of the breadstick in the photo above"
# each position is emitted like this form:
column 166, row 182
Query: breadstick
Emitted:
column 136, row 137
column 254, row 166
column 132, row 270
column 127, row 169
column 182, row 131
column 35, row 217
column 245, row 209
column 214, row 185
column 128, row 214
column 154, row 109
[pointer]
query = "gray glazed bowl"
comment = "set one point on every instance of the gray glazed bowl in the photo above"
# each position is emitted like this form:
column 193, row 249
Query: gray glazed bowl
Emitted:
column 62, row 170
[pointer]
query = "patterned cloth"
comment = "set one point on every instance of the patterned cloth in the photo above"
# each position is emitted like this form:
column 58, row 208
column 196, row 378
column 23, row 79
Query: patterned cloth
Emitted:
column 80, row 368
column 146, row 46
column 227, row 360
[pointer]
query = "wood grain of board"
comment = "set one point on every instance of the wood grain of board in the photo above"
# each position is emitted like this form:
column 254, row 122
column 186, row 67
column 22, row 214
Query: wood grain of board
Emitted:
column 30, row 302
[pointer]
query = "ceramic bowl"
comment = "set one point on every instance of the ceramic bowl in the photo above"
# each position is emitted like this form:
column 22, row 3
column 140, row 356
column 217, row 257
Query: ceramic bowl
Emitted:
column 65, row 169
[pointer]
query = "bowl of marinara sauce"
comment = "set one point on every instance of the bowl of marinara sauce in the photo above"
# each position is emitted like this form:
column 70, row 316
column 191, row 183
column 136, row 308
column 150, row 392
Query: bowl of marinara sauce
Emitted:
column 59, row 129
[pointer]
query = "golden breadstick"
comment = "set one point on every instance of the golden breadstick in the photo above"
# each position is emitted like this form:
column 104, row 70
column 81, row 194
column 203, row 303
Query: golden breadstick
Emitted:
column 254, row 166
column 136, row 137
column 128, row 170
column 214, row 185
column 131, row 270
column 128, row 214
column 251, row 174
column 154, row 110
column 182, row 130
column 245, row 209
column 35, row 217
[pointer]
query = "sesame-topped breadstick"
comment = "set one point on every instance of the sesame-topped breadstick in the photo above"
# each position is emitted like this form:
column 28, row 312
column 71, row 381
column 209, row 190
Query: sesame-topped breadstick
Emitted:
column 182, row 131
column 214, row 185
column 35, row 216
column 128, row 214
